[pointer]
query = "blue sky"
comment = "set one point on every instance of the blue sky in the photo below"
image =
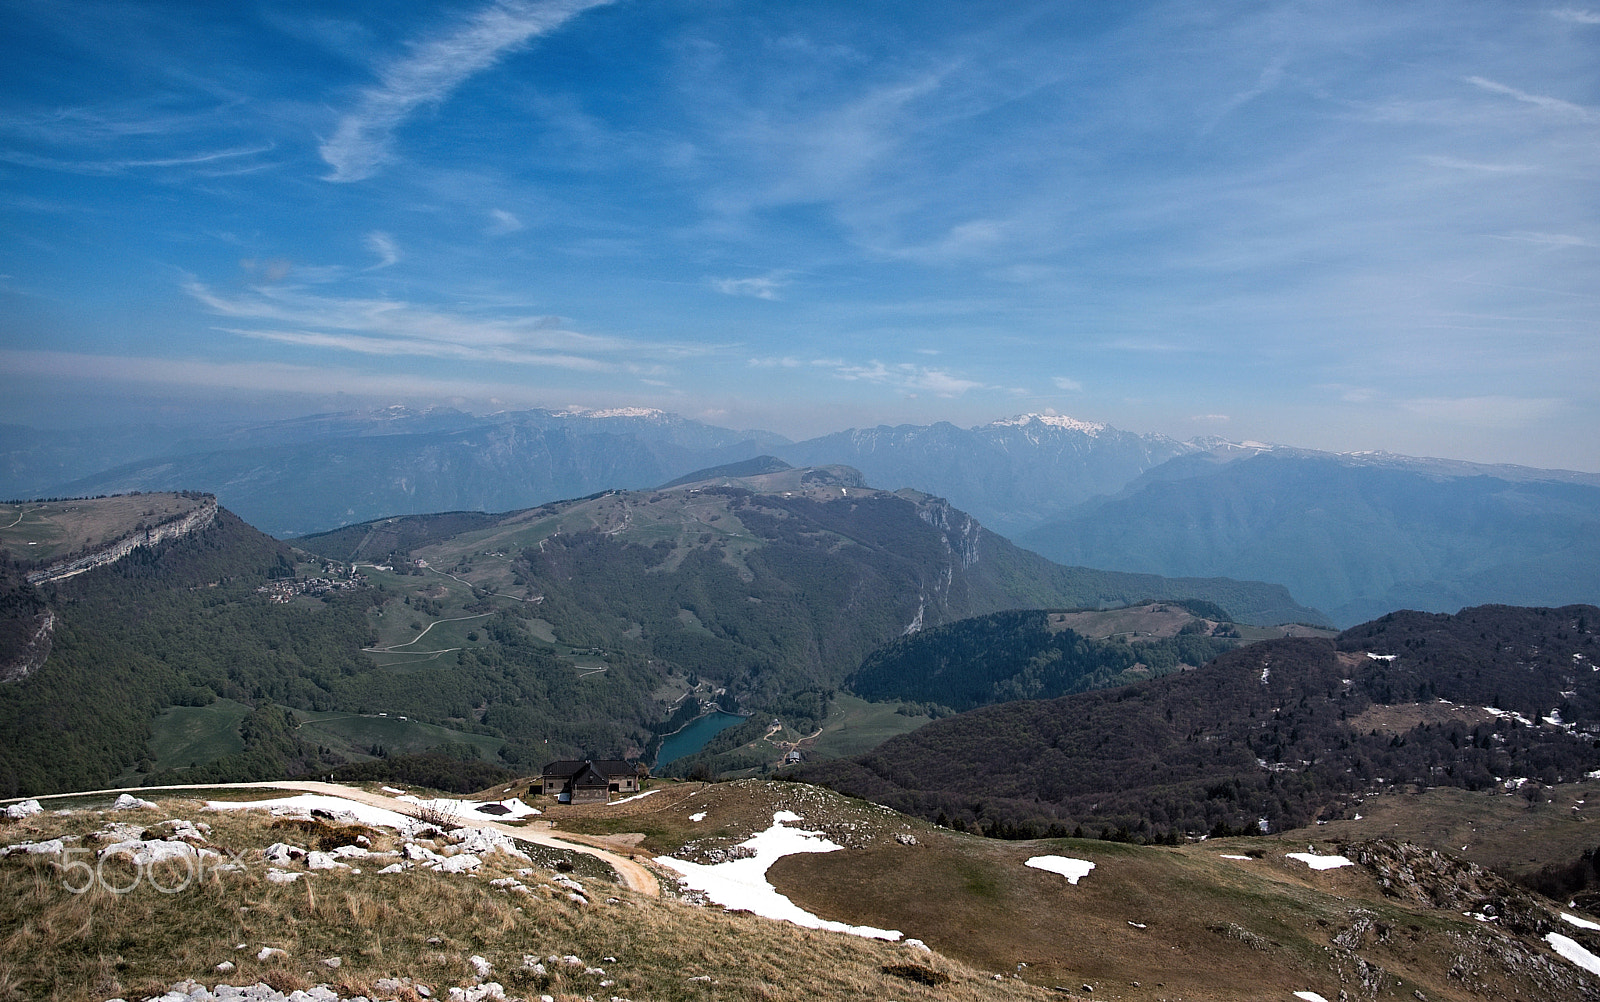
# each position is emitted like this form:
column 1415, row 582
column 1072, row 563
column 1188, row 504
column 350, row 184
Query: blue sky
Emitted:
column 1338, row 225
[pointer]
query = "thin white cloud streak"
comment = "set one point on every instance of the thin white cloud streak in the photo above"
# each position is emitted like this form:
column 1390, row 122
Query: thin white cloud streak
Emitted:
column 432, row 70
column 904, row 376
column 398, row 328
column 502, row 222
column 260, row 377
column 1542, row 101
column 1493, row 411
column 432, row 349
column 1063, row 383
column 383, row 245
column 122, row 166
column 1576, row 15
column 760, row 287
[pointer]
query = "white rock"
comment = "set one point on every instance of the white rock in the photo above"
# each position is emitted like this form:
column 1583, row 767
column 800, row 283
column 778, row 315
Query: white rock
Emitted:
column 393, row 868
column 128, row 802
column 323, row 861
column 26, row 809
column 282, row 854
column 53, row 847
column 481, row 965
column 145, row 851
column 269, row 952
column 333, row 962
column 225, row 966
column 276, row 876
column 459, row 864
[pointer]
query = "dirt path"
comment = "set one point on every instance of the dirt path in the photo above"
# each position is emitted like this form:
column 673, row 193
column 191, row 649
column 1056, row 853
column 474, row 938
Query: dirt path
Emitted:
column 634, row 875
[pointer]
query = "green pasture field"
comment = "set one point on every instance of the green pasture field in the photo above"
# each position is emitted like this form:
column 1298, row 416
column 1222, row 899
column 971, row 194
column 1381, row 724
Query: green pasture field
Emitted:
column 854, row 725
column 354, row 734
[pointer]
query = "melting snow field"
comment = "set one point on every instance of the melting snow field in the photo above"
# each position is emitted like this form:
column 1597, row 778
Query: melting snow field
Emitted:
column 1231, row 856
column 364, row 813
column 1316, row 862
column 513, row 808
column 624, row 800
column 1073, row 869
column 1571, row 950
column 1581, row 923
column 742, row 883
column 1312, row 996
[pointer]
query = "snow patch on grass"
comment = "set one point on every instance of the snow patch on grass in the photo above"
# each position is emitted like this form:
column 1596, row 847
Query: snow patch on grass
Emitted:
column 307, row 802
column 1073, row 869
column 1581, row 923
column 624, row 800
column 1571, row 950
column 742, row 883
column 1316, row 862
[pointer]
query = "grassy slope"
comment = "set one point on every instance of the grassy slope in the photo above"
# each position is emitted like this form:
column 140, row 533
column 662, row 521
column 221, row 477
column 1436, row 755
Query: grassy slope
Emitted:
column 58, row 945
column 49, row 530
column 1213, row 928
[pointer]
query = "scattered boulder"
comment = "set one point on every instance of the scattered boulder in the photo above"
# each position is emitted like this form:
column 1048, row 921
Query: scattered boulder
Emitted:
column 128, row 802
column 26, row 809
column 53, row 847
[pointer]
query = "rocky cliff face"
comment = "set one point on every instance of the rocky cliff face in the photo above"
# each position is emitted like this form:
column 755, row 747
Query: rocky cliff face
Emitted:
column 34, row 650
column 178, row 527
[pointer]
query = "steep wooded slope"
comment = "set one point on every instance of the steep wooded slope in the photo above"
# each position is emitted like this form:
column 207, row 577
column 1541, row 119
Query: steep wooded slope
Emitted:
column 1282, row 731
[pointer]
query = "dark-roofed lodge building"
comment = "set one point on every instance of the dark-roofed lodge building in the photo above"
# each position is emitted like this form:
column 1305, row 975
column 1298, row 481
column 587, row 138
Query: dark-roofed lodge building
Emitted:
column 586, row 781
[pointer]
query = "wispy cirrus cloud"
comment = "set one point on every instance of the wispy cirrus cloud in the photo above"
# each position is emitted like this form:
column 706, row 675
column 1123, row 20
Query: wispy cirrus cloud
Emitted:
column 1543, row 101
column 383, row 245
column 237, row 160
column 905, row 376
column 757, row 287
column 430, row 72
column 502, row 222
column 389, row 327
column 1576, row 15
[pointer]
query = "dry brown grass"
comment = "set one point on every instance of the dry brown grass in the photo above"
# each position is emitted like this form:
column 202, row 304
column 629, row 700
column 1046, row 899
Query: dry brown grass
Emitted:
column 99, row 945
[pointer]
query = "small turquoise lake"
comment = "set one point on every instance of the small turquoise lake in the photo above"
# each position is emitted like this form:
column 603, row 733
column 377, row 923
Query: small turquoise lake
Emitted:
column 693, row 736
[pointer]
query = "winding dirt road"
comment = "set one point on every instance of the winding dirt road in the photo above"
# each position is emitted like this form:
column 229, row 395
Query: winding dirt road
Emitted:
column 634, row 875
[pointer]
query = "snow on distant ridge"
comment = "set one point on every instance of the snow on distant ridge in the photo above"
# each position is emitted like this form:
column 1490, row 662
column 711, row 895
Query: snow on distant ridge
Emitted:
column 1053, row 420
column 613, row 412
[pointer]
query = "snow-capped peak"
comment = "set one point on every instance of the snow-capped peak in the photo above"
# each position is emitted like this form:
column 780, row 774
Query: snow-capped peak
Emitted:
column 1053, row 420
column 613, row 412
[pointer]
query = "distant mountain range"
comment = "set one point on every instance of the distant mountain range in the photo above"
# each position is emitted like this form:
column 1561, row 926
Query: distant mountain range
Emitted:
column 1352, row 534
column 1355, row 536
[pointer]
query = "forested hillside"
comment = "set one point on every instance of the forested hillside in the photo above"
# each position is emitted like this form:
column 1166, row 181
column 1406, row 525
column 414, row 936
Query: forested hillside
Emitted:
column 1280, row 731
column 1024, row 654
column 582, row 628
